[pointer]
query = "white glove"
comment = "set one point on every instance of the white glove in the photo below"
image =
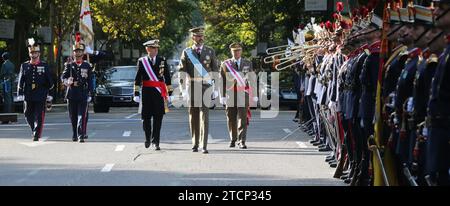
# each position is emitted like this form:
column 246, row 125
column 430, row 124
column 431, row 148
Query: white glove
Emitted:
column 89, row 50
column 136, row 99
column 49, row 98
column 89, row 99
column 184, row 94
column 425, row 132
column 20, row 98
column 215, row 94
column 223, row 100
column 68, row 81
column 255, row 99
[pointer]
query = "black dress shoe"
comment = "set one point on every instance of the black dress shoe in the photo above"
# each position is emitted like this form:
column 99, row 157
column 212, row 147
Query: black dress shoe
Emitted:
column 81, row 140
column 194, row 149
column 326, row 149
column 317, row 143
column 75, row 139
column 86, row 137
column 35, row 139
column 242, row 146
column 157, row 148
column 313, row 141
column 205, row 151
column 348, row 181
column 147, row 144
column 232, row 144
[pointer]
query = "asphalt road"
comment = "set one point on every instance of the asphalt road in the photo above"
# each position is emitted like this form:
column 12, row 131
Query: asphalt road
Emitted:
column 278, row 153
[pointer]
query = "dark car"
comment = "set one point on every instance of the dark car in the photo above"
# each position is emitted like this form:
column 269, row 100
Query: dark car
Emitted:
column 285, row 93
column 115, row 88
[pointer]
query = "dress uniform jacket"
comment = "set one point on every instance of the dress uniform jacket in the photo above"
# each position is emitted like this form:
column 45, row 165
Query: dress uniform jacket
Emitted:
column 406, row 79
column 82, row 75
column 38, row 75
column 209, row 62
column 368, row 78
column 152, row 101
column 230, row 85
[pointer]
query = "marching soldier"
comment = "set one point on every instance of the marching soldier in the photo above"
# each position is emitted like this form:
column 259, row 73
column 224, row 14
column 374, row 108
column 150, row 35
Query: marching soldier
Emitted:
column 35, row 81
column 153, row 76
column 237, row 91
column 438, row 119
column 77, row 77
column 195, row 80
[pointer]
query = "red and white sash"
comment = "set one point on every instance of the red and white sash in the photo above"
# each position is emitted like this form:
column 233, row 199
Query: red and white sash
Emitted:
column 240, row 81
column 149, row 70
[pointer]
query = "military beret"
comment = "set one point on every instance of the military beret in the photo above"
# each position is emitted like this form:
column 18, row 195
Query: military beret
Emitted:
column 152, row 43
column 197, row 31
column 235, row 46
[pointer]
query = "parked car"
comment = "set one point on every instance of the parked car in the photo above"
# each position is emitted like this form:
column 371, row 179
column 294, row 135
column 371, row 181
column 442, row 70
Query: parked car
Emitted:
column 286, row 93
column 115, row 88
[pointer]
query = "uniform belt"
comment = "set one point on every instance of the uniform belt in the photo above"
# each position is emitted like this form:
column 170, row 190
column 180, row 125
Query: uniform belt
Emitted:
column 157, row 84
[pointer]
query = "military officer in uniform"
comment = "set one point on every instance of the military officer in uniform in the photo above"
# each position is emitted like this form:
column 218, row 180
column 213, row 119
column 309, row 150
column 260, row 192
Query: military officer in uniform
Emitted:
column 196, row 81
column 35, row 81
column 153, row 75
column 238, row 80
column 438, row 115
column 77, row 77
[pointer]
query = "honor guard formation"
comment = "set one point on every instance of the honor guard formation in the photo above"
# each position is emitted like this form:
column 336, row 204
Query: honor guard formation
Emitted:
column 374, row 90
column 377, row 91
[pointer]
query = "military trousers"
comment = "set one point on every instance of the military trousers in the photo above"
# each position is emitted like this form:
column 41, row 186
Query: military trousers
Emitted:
column 199, row 126
column 152, row 136
column 78, row 114
column 34, row 114
column 237, row 123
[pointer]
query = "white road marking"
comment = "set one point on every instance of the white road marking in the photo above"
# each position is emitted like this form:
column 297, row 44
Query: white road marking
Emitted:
column 126, row 133
column 131, row 116
column 120, row 148
column 285, row 137
column 302, row 145
column 29, row 174
column 107, row 168
column 287, row 131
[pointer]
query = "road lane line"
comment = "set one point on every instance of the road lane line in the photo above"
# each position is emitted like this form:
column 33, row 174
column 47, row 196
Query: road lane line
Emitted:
column 302, row 145
column 285, row 137
column 107, row 168
column 126, row 133
column 287, row 131
column 120, row 148
column 29, row 174
column 131, row 116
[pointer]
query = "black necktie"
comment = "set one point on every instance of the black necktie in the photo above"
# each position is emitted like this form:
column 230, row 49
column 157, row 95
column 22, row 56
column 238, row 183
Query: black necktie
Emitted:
column 237, row 65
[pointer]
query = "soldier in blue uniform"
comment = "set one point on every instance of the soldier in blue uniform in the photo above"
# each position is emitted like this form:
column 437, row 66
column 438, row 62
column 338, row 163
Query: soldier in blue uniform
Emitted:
column 153, row 76
column 77, row 77
column 438, row 119
column 35, row 81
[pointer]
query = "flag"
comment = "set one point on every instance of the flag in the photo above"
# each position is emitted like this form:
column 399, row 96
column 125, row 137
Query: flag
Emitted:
column 86, row 24
column 388, row 158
